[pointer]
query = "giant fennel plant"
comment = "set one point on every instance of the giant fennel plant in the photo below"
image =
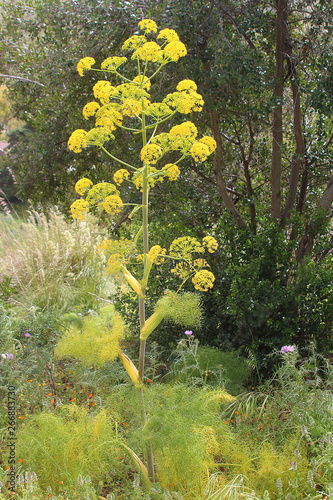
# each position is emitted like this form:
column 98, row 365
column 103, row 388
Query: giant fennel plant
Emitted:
column 129, row 106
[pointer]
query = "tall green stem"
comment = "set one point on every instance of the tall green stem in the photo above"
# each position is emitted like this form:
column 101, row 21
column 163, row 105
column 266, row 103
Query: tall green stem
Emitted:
column 145, row 236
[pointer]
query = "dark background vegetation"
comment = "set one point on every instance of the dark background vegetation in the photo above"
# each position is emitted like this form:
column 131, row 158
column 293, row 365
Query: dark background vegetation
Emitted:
column 264, row 69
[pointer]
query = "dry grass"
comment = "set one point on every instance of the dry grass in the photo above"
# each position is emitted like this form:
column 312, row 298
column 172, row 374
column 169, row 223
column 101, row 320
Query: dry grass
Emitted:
column 51, row 262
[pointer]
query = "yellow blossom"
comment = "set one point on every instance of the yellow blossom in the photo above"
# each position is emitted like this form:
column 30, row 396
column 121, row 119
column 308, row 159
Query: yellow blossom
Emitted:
column 175, row 50
column 151, row 153
column 134, row 42
column 103, row 90
column 132, row 107
column 187, row 129
column 150, row 51
column 143, row 80
column 109, row 117
column 85, row 65
column 172, row 171
column 138, row 178
column 147, row 25
column 98, row 136
column 199, row 151
column 100, row 191
column 186, row 85
column 199, row 264
column 182, row 269
column 82, row 186
column 113, row 63
column 210, row 243
column 155, row 254
column 168, row 35
column 158, row 110
column 203, row 280
column 90, row 109
column 210, row 143
column 79, row 209
column 77, row 140
column 120, row 176
column 184, row 247
column 185, row 102
column 113, row 204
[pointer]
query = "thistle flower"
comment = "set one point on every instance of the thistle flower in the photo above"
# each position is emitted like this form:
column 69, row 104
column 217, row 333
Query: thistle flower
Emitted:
column 287, row 348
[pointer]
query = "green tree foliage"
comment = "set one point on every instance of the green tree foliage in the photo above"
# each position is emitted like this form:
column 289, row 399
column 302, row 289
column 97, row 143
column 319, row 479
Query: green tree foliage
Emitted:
column 264, row 70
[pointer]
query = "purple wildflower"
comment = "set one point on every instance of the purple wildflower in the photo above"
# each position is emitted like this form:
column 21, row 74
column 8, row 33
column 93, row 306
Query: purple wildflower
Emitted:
column 188, row 332
column 287, row 348
column 10, row 356
column 27, row 335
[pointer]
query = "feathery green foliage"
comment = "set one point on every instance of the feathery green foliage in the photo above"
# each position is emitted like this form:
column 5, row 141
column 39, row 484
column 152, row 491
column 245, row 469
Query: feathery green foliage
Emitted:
column 97, row 341
column 183, row 309
column 69, row 443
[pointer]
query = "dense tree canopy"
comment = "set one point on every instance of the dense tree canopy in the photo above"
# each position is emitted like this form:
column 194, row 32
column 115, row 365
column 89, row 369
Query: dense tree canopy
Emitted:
column 264, row 69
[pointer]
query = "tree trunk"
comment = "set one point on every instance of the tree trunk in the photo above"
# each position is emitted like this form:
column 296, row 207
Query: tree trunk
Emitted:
column 218, row 163
column 281, row 5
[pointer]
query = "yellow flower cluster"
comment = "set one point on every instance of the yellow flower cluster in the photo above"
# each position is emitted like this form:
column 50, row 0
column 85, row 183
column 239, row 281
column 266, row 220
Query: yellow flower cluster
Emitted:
column 137, row 178
column 77, row 140
column 85, row 65
column 184, row 247
column 155, row 254
column 113, row 63
column 210, row 243
column 151, row 153
column 109, row 117
column 79, row 209
column 103, row 90
column 147, row 25
column 121, row 175
column 97, row 194
column 98, row 136
column 82, row 186
column 203, row 280
column 175, row 50
column 134, row 42
column 186, row 129
column 168, row 35
column 199, row 151
column 113, row 204
column 119, row 252
column 90, row 109
column 172, row 171
column 189, row 85
column 150, row 51
column 185, row 101
column 143, row 81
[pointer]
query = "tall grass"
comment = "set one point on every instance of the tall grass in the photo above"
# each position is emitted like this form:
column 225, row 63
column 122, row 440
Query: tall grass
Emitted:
column 52, row 263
